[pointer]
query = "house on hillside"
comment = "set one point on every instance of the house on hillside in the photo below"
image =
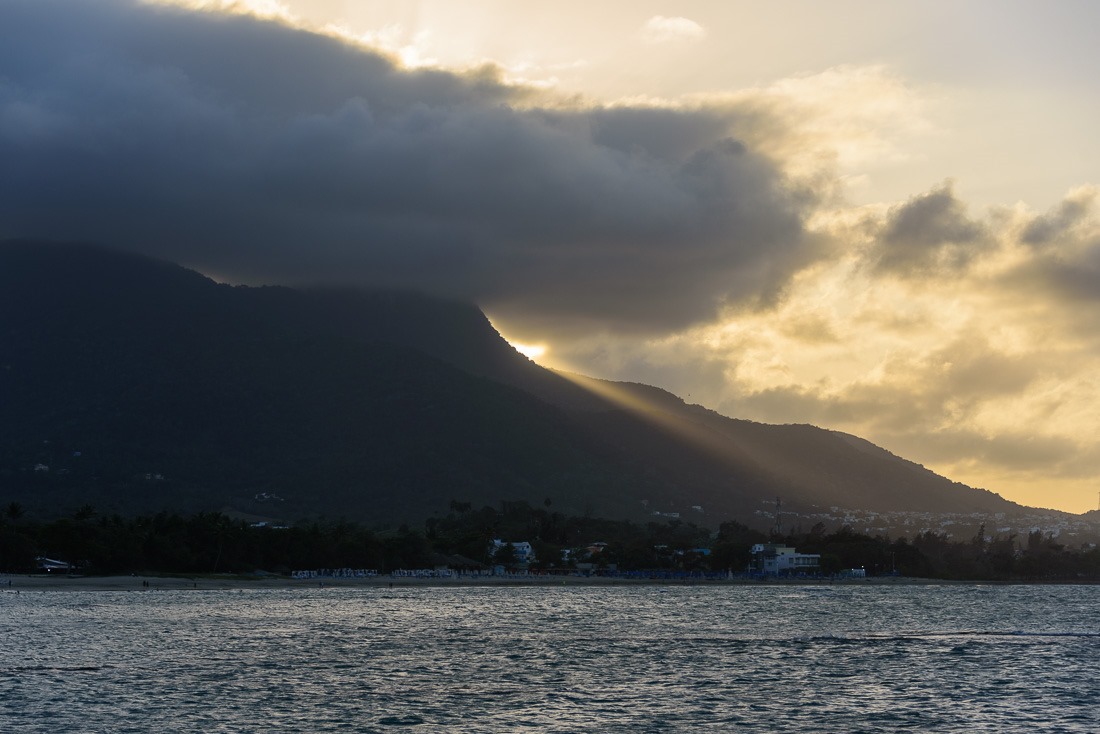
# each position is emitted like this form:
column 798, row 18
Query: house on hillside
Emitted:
column 772, row 559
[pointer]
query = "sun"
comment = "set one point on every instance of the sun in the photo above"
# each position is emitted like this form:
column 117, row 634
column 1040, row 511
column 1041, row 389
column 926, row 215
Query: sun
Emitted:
column 531, row 351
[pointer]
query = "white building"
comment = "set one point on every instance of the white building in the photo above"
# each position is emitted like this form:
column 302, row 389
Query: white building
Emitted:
column 50, row 565
column 780, row 560
column 522, row 550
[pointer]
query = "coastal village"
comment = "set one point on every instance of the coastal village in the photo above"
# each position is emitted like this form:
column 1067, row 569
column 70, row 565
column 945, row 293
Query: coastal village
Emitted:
column 523, row 541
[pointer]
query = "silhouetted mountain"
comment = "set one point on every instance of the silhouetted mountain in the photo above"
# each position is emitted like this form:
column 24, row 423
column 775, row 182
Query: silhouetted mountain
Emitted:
column 134, row 385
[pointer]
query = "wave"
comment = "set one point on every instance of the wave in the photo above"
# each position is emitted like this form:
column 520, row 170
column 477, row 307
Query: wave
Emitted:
column 52, row 669
column 942, row 634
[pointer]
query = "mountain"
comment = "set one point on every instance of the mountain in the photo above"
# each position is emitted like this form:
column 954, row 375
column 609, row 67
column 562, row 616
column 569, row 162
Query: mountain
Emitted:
column 136, row 385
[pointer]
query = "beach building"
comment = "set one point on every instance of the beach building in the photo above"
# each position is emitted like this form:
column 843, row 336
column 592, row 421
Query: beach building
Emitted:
column 523, row 551
column 772, row 559
column 49, row 565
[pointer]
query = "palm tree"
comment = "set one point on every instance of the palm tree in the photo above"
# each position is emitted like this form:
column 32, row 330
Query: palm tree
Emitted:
column 14, row 511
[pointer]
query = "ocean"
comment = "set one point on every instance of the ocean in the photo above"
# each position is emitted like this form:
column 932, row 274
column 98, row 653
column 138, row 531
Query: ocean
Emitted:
column 736, row 658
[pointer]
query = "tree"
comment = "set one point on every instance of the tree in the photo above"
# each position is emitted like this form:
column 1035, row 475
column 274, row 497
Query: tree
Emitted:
column 16, row 551
column 14, row 511
column 504, row 555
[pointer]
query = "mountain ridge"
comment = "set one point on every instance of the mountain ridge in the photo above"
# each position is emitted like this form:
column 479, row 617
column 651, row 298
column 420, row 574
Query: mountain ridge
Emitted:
column 377, row 405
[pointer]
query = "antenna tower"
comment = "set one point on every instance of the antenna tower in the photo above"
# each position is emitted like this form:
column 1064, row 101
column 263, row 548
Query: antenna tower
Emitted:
column 778, row 517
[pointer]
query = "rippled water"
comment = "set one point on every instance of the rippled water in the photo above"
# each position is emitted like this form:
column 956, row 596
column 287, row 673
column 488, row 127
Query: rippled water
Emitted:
column 573, row 659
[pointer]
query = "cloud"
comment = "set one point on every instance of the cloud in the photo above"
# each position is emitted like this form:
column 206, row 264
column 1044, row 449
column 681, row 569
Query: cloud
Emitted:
column 929, row 232
column 1073, row 210
column 811, row 328
column 969, row 409
column 265, row 153
column 1007, row 450
column 836, row 125
column 1058, row 261
column 269, row 9
column 660, row 29
column 907, row 390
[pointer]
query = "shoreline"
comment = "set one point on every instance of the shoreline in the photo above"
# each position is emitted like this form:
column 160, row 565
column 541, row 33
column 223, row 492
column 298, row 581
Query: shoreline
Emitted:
column 46, row 582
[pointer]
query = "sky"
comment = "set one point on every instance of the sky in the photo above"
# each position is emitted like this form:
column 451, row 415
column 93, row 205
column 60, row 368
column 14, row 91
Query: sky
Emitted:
column 879, row 218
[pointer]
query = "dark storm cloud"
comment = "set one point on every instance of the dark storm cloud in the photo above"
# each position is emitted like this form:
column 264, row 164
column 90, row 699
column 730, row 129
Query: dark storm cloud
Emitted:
column 262, row 153
column 1064, row 266
column 1069, row 279
column 1047, row 227
column 928, row 232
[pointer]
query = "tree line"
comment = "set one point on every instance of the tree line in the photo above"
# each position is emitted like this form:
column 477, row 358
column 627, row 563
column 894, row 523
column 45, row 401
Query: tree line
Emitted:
column 212, row 542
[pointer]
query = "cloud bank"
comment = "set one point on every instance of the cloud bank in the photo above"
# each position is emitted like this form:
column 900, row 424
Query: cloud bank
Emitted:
column 264, row 153
column 661, row 29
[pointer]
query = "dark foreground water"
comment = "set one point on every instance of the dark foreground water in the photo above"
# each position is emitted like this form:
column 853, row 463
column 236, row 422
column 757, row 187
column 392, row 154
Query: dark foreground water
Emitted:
column 575, row 659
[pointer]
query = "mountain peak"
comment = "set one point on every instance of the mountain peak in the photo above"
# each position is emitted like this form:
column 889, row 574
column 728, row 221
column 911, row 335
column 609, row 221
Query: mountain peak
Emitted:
column 375, row 405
